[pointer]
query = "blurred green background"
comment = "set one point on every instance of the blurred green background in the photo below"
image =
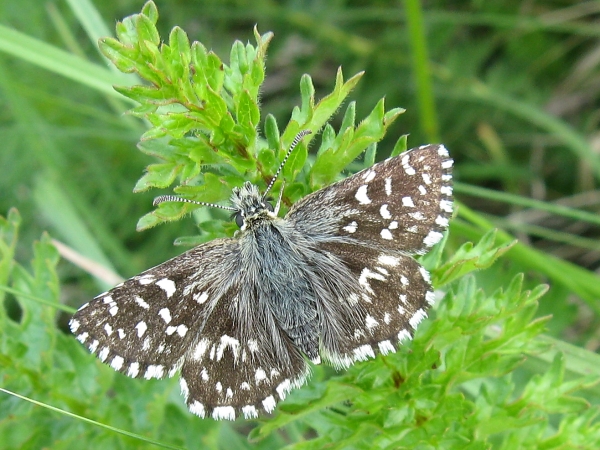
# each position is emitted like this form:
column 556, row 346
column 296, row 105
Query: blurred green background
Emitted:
column 511, row 87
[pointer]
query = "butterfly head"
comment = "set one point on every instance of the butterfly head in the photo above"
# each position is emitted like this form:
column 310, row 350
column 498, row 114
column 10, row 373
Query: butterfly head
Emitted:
column 250, row 205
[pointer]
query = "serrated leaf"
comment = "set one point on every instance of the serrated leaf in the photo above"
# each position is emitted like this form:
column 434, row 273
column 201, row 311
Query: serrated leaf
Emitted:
column 158, row 176
column 149, row 10
column 146, row 29
column 248, row 114
column 469, row 258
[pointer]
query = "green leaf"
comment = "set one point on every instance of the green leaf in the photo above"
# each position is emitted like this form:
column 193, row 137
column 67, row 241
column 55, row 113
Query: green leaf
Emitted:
column 469, row 258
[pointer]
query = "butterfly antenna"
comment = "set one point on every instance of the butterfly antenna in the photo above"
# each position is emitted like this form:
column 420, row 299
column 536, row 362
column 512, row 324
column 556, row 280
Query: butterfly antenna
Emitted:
column 173, row 198
column 295, row 142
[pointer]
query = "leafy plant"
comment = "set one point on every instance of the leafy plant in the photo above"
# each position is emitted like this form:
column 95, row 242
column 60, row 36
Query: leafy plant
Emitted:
column 478, row 374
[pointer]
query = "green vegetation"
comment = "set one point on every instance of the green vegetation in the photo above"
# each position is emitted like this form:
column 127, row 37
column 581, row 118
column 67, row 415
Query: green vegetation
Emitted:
column 507, row 358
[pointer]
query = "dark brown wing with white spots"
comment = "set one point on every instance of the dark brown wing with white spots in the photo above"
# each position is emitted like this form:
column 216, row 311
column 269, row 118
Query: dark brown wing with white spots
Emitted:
column 402, row 204
column 393, row 297
column 143, row 326
column 186, row 314
column 239, row 372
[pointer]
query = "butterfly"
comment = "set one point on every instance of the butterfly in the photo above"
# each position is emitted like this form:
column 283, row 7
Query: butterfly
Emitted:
column 333, row 281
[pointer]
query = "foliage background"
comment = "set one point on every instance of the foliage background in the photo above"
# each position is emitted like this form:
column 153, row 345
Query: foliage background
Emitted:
column 512, row 89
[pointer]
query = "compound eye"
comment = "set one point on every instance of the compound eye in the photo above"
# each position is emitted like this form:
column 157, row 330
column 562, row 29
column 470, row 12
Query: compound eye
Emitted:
column 269, row 206
column 239, row 219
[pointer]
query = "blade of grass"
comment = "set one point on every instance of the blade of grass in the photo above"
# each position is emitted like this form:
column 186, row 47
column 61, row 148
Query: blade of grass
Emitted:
column 504, row 197
column 93, row 422
column 58, row 61
column 582, row 282
column 421, row 69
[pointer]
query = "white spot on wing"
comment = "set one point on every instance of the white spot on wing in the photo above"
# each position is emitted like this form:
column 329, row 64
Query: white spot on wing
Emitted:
column 108, row 329
column 113, row 310
column 417, row 215
column 167, row 285
column 369, row 175
column 385, row 213
column 370, row 322
column 141, row 328
column 93, row 346
column 269, row 403
column 432, row 238
column 117, row 363
column 430, row 298
column 145, row 279
column 140, row 301
column 201, row 297
column 446, row 190
column 351, row 227
column 134, row 370
column 404, row 334
column 361, row 195
column 364, row 277
column 388, row 260
column 426, row 178
column 250, row 412
column 260, row 375
column 417, row 317
column 197, row 408
column 446, row 205
column 185, row 390
column 386, row 347
column 408, row 202
column 386, row 234
column 224, row 412
column 252, row 345
column 74, row 324
column 283, row 388
column 165, row 314
column 103, row 354
column 441, row 221
column 447, row 164
column 407, row 167
column 154, row 371
column 388, row 186
column 422, row 189
column 363, row 352
column 227, row 341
